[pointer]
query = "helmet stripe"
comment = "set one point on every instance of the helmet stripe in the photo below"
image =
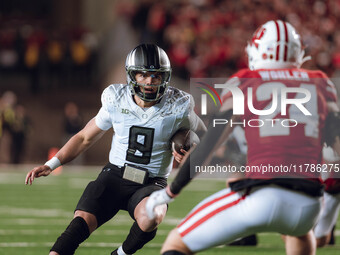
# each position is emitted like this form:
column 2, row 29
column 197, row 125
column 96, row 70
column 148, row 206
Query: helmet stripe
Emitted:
column 278, row 40
column 151, row 56
column 286, row 39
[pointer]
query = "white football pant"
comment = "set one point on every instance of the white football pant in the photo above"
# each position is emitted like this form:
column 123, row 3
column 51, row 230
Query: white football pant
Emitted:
column 227, row 215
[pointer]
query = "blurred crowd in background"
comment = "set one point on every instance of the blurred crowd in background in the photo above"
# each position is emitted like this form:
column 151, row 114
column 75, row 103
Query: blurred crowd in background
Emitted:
column 14, row 127
column 50, row 58
column 207, row 38
column 204, row 38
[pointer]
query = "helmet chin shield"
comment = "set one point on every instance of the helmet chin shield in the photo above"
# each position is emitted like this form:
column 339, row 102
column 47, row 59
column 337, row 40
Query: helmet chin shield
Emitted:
column 275, row 44
column 147, row 58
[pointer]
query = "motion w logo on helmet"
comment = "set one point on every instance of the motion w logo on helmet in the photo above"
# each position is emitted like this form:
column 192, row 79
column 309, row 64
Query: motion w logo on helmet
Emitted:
column 257, row 36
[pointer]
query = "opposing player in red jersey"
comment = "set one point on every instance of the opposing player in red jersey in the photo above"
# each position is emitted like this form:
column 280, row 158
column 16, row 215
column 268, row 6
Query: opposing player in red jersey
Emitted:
column 285, row 135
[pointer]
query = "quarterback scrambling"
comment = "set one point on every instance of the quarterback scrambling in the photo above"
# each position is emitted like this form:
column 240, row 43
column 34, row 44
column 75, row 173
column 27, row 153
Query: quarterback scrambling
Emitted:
column 286, row 203
column 144, row 114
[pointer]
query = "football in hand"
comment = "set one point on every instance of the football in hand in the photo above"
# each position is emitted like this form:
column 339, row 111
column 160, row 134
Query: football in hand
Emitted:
column 183, row 139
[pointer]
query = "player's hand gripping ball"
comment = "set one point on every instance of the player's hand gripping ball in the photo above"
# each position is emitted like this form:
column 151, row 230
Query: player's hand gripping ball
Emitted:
column 184, row 139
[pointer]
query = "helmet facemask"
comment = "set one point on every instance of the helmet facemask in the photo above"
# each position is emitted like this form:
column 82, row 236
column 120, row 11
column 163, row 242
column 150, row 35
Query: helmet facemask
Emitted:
column 140, row 89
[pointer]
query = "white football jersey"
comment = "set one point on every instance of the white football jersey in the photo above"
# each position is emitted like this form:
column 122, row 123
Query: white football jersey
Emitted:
column 142, row 135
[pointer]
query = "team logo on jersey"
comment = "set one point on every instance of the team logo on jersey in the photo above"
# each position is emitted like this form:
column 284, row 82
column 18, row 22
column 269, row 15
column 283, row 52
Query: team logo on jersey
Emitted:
column 125, row 111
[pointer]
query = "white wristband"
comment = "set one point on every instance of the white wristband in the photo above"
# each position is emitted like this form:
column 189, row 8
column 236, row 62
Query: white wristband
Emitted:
column 53, row 163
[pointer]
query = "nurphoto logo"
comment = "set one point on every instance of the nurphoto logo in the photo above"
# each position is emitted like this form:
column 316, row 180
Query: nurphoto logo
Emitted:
column 280, row 105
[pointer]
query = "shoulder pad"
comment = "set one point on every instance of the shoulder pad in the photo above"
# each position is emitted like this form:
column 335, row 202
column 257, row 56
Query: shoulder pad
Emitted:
column 111, row 95
column 315, row 73
column 246, row 73
column 178, row 101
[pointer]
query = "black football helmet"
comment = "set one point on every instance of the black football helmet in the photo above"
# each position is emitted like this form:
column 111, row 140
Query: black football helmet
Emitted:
column 148, row 58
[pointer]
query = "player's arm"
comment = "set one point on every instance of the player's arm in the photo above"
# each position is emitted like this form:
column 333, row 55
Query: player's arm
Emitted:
column 200, row 155
column 197, row 125
column 213, row 139
column 203, row 153
column 332, row 130
column 75, row 146
column 201, row 128
column 80, row 142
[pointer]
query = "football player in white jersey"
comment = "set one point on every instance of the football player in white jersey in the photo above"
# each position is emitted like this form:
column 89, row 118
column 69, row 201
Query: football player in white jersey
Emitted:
column 262, row 202
column 144, row 114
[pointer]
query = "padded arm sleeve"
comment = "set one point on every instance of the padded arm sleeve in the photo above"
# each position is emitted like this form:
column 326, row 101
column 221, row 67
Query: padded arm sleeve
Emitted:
column 200, row 153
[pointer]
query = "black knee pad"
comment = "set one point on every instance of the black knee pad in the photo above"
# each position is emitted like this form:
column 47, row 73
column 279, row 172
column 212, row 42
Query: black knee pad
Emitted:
column 137, row 238
column 173, row 253
column 76, row 233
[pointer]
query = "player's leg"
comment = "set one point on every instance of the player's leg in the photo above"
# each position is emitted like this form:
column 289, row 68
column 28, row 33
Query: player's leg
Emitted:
column 174, row 245
column 95, row 207
column 218, row 219
column 327, row 219
column 248, row 240
column 302, row 245
column 80, row 228
column 228, row 215
column 82, row 225
column 143, row 220
column 143, row 230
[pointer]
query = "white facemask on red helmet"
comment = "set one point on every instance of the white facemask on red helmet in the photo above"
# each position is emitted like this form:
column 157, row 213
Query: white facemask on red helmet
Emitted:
column 276, row 44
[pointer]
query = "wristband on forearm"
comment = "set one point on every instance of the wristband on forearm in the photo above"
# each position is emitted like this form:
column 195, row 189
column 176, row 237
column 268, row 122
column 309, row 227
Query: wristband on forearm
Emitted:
column 53, row 163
